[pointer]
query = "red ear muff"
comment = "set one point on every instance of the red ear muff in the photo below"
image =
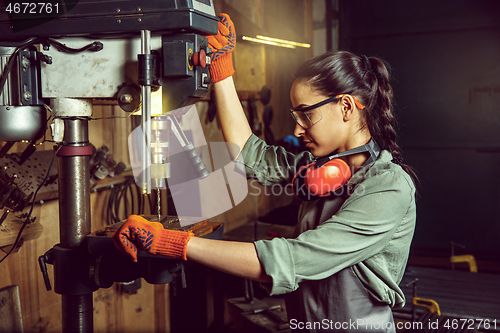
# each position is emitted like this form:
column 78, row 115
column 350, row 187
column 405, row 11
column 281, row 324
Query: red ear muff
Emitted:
column 332, row 174
column 328, row 178
column 312, row 182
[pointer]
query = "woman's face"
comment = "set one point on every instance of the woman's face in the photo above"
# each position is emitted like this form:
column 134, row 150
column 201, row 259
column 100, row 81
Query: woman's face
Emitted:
column 331, row 133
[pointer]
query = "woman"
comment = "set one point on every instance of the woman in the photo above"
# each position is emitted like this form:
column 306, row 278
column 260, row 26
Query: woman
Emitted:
column 341, row 270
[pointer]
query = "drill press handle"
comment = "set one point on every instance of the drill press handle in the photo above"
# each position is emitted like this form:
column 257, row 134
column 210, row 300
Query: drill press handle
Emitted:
column 198, row 166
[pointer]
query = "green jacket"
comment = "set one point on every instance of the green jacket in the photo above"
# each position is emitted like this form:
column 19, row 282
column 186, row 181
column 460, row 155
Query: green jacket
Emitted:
column 370, row 231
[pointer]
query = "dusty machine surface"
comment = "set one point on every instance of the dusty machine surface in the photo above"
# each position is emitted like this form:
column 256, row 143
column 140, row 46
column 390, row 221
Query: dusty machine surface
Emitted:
column 61, row 56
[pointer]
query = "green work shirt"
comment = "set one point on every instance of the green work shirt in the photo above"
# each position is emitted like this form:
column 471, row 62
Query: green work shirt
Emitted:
column 370, row 231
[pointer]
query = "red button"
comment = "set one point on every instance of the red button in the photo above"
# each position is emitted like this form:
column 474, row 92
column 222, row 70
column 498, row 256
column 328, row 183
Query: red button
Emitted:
column 200, row 58
column 203, row 58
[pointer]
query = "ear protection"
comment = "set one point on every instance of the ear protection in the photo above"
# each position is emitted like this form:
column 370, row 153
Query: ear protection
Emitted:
column 326, row 175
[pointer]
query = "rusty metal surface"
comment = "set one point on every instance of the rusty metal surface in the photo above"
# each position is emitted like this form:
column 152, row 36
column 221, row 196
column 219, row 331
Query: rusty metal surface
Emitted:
column 10, row 310
column 31, row 173
column 258, row 315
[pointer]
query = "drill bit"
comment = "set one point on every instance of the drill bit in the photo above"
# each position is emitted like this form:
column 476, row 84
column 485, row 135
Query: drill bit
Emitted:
column 159, row 210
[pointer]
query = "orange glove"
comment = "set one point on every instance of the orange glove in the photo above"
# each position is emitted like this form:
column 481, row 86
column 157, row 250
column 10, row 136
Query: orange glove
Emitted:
column 138, row 232
column 222, row 45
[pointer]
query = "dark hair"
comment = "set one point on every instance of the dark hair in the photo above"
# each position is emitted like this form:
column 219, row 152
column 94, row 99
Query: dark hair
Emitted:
column 367, row 79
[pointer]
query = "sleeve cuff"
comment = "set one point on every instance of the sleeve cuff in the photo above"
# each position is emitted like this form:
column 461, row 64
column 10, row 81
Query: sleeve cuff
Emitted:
column 277, row 261
column 172, row 243
column 249, row 153
column 222, row 68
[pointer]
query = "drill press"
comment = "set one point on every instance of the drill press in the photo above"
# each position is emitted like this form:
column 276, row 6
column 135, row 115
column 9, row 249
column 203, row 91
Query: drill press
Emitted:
column 79, row 51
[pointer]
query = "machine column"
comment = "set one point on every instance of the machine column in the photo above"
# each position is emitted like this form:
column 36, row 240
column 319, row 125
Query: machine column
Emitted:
column 70, row 256
column 74, row 185
column 74, row 217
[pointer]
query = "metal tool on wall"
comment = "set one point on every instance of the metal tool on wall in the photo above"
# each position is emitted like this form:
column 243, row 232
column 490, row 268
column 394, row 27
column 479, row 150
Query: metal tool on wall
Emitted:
column 252, row 109
column 268, row 118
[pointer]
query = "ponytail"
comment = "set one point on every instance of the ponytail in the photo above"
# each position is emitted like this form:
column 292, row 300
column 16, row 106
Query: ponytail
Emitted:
column 379, row 116
column 366, row 78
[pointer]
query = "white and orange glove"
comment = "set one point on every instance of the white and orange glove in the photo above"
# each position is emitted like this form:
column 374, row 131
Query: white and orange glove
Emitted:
column 138, row 233
column 222, row 45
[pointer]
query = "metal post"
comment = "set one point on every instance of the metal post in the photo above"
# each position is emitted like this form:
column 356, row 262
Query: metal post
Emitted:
column 74, row 219
column 146, row 118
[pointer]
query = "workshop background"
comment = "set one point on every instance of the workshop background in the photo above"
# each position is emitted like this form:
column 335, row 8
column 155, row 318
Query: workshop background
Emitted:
column 445, row 60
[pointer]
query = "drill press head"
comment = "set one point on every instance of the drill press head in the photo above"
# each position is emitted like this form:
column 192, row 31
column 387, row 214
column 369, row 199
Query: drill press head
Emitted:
column 173, row 57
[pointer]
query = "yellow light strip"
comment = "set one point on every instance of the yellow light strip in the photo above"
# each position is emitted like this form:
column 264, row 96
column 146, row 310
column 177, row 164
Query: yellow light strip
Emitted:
column 262, row 41
column 282, row 41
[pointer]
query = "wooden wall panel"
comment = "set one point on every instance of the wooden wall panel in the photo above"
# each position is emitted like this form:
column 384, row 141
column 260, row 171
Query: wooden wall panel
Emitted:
column 162, row 308
column 40, row 309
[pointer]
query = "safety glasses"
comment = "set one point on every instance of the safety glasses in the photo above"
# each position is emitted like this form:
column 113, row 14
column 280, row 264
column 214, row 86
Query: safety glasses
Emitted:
column 310, row 115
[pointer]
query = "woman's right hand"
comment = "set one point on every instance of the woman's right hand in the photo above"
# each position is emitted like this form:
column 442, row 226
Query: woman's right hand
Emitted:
column 222, row 45
column 232, row 118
